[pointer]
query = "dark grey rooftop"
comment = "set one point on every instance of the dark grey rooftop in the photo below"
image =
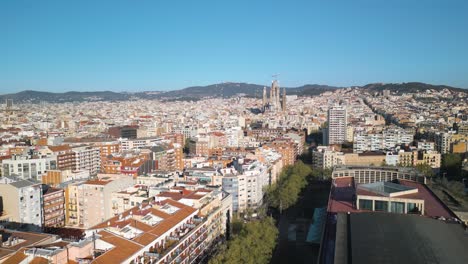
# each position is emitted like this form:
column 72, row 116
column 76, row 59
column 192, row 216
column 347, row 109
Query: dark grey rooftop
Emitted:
column 23, row 183
column 395, row 238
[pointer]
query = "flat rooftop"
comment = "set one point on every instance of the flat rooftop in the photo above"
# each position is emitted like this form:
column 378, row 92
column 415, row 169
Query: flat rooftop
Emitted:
column 388, row 189
column 343, row 192
column 399, row 238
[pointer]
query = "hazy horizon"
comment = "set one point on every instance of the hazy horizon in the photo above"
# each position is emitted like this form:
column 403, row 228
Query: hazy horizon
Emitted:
column 167, row 90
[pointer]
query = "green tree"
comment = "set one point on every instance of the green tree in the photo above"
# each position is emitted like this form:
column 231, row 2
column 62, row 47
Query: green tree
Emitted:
column 425, row 169
column 451, row 165
column 301, row 169
column 319, row 173
column 254, row 244
column 286, row 191
column 236, row 226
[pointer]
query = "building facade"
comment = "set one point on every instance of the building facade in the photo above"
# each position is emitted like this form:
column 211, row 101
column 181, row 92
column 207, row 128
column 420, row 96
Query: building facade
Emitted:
column 337, row 124
column 53, row 209
column 21, row 201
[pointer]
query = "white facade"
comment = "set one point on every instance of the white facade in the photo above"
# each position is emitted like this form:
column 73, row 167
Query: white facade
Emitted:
column 443, row 141
column 131, row 144
column 387, row 139
column 246, row 187
column 234, row 136
column 391, row 158
column 326, row 157
column 337, row 121
column 88, row 158
column 188, row 132
column 25, row 168
column 426, row 145
column 22, row 201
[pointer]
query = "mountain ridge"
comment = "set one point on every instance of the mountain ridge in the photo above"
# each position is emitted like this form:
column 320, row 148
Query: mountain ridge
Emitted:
column 227, row 89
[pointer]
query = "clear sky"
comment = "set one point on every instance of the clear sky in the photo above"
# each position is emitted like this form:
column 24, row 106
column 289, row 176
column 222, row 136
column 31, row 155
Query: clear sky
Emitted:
column 140, row 45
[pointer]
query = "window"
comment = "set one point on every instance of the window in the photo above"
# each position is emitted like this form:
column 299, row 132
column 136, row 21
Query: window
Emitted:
column 412, row 208
column 381, row 206
column 397, row 207
column 25, row 169
column 365, row 204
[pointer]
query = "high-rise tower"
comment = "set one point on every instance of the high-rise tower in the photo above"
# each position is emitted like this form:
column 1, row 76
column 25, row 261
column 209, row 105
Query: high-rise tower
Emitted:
column 337, row 121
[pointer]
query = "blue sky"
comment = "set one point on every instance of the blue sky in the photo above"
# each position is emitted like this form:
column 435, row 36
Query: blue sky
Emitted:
column 140, row 45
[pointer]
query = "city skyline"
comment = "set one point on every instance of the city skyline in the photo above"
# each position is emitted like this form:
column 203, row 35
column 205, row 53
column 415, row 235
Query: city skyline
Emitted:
column 224, row 132
column 125, row 46
column 143, row 179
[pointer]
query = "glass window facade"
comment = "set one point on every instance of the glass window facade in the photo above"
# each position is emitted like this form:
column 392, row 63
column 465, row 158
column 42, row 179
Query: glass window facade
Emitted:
column 381, row 206
column 365, row 204
column 412, row 208
column 397, row 207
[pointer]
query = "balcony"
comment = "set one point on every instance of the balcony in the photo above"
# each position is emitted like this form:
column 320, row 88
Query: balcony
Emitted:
column 187, row 243
column 175, row 245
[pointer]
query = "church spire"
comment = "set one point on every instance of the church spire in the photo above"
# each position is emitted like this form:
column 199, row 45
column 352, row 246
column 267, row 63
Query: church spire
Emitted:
column 283, row 102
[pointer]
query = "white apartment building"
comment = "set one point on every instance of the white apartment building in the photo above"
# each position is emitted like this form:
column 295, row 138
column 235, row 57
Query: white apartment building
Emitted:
column 88, row 158
column 426, row 145
column 246, row 184
column 385, row 140
column 443, row 140
column 233, row 136
column 391, row 158
column 21, row 201
column 140, row 143
column 271, row 158
column 337, row 122
column 327, row 157
column 25, row 167
column 187, row 131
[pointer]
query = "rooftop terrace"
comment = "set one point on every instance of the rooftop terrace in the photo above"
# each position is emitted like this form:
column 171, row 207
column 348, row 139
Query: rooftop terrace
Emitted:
column 344, row 191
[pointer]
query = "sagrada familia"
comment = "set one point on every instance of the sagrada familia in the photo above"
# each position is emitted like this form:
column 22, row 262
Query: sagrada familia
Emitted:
column 274, row 103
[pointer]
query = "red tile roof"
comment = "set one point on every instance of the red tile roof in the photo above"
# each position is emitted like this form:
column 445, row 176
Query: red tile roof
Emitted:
column 17, row 257
column 97, row 182
column 123, row 249
column 59, row 148
column 39, row 260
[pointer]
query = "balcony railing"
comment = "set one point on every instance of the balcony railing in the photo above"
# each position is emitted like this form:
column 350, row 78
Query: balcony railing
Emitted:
column 185, row 243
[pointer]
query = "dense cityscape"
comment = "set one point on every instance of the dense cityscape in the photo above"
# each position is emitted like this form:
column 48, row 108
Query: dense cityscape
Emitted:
column 157, row 181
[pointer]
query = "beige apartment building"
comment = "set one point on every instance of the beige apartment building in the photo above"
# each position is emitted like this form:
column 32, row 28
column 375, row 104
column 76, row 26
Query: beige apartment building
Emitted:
column 413, row 158
column 90, row 202
column 364, row 159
